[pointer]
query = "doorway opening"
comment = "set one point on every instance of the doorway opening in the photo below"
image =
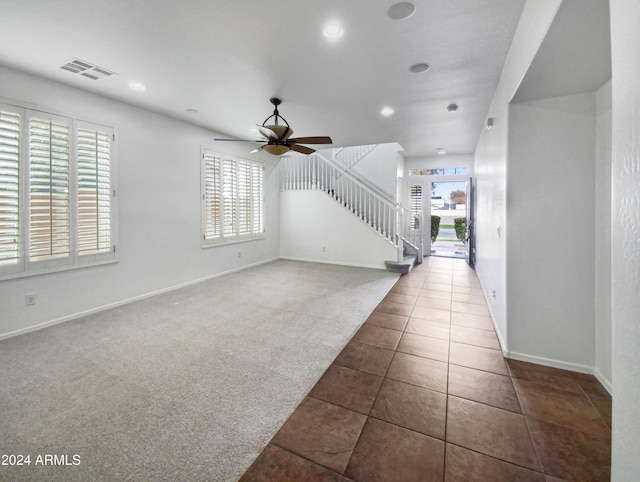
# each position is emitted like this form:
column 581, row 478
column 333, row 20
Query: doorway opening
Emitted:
column 448, row 216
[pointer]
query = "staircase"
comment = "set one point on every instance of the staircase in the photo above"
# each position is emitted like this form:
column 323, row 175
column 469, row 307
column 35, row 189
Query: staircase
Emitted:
column 411, row 255
column 366, row 202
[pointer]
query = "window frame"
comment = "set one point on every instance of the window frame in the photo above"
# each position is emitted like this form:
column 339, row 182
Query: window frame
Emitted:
column 223, row 237
column 24, row 265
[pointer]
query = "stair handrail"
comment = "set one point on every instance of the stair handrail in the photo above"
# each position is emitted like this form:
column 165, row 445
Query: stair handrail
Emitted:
column 361, row 152
column 317, row 172
column 386, row 199
column 348, row 169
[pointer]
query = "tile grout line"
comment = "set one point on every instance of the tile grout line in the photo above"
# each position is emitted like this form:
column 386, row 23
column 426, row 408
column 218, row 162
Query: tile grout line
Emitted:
column 446, row 410
column 512, row 378
column 384, row 377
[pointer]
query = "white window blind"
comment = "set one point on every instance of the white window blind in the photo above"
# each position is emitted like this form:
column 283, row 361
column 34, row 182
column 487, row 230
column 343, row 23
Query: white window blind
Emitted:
column 416, row 205
column 233, row 198
column 57, row 193
column 93, row 149
column 257, row 206
column 10, row 124
column 229, row 199
column 212, row 185
column 244, row 198
column 49, row 201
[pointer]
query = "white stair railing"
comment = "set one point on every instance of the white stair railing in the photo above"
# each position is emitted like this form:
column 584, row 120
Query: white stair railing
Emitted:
column 351, row 155
column 412, row 230
column 316, row 172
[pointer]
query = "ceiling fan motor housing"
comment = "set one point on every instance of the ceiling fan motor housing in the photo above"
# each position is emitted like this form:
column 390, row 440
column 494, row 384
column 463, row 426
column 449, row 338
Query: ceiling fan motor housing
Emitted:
column 283, row 132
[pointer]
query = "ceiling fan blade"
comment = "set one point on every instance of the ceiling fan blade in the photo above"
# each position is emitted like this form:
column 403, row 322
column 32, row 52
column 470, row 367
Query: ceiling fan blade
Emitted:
column 240, row 140
column 312, row 140
column 301, row 149
column 268, row 133
column 257, row 149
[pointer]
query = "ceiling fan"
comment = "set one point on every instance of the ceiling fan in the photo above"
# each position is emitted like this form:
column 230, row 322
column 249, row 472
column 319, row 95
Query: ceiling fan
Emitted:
column 277, row 135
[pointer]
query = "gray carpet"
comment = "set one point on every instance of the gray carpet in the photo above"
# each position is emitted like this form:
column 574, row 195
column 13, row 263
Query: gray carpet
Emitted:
column 189, row 385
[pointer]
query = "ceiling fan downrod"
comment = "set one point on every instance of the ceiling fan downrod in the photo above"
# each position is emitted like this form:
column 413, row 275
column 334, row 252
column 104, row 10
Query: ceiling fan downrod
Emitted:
column 276, row 115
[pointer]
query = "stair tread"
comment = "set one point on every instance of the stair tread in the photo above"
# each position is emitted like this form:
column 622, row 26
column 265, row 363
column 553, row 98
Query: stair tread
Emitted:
column 402, row 267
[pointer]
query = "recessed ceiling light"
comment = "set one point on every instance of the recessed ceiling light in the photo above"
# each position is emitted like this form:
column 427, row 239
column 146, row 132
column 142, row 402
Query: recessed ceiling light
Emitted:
column 421, row 67
column 386, row 111
column 333, row 31
column 401, row 10
column 441, row 151
column 137, row 86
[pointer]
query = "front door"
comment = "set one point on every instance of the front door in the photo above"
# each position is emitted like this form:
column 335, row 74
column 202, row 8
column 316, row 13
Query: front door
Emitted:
column 469, row 243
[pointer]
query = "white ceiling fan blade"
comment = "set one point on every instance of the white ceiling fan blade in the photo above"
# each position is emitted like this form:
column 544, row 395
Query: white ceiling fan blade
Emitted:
column 267, row 133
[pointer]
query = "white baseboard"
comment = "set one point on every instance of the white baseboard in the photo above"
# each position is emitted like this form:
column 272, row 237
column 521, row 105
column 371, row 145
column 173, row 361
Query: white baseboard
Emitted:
column 603, row 380
column 74, row 316
column 324, row 261
column 574, row 367
column 549, row 362
column 499, row 334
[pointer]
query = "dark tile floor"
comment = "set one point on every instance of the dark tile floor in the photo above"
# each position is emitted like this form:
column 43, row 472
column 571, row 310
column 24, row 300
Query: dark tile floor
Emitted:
column 422, row 392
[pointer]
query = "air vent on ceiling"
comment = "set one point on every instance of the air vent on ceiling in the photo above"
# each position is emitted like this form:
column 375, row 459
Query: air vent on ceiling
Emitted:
column 86, row 69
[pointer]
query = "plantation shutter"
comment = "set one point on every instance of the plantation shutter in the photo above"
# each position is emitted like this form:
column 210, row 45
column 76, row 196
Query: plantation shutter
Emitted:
column 245, row 204
column 229, row 198
column 232, row 196
column 416, row 206
column 49, row 200
column 257, row 190
column 93, row 151
column 9, row 187
column 212, row 197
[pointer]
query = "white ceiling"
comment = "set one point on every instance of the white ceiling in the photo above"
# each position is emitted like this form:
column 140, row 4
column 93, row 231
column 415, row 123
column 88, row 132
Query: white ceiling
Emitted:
column 226, row 58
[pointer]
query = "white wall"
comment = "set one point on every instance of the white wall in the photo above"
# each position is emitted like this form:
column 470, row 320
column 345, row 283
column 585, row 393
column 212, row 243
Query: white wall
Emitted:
column 491, row 160
column 625, row 244
column 159, row 211
column 551, row 231
column 603, row 236
column 312, row 220
column 379, row 166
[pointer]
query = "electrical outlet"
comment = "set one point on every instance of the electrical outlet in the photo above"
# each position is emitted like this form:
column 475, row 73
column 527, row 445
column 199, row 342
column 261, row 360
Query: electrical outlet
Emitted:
column 493, row 294
column 239, row 254
column 30, row 299
column 324, row 249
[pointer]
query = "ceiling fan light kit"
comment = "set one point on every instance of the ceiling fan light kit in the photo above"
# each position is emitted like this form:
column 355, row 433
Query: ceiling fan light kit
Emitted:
column 275, row 149
column 278, row 136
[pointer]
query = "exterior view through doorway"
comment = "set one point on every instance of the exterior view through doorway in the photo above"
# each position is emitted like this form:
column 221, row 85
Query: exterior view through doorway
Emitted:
column 441, row 204
column 448, row 211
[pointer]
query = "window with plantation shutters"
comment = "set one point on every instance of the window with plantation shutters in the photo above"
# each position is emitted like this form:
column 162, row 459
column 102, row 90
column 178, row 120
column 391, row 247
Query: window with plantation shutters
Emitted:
column 93, row 150
column 49, row 196
column 416, row 205
column 212, row 196
column 233, row 199
column 10, row 123
column 229, row 198
column 257, row 200
column 57, row 193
